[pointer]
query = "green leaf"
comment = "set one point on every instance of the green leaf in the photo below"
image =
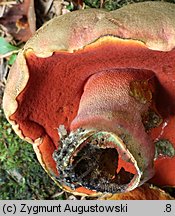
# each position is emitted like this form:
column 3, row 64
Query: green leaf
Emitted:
column 6, row 47
column 70, row 7
column 12, row 59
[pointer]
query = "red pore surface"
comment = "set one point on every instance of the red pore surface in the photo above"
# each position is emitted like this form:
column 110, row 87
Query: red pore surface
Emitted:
column 53, row 92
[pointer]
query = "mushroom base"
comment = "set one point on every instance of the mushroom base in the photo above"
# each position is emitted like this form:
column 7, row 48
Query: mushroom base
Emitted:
column 96, row 169
column 93, row 164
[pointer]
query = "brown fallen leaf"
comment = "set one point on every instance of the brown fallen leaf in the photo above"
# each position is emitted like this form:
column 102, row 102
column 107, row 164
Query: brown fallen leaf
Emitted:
column 145, row 192
column 47, row 9
column 19, row 20
column 78, row 4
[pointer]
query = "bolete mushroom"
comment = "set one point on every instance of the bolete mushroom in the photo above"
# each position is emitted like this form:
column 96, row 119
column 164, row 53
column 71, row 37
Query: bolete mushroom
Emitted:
column 93, row 91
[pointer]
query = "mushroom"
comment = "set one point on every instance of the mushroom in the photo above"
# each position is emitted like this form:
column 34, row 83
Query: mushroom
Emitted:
column 93, row 91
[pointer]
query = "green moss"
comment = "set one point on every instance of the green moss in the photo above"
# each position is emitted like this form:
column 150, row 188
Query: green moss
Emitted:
column 21, row 176
column 115, row 4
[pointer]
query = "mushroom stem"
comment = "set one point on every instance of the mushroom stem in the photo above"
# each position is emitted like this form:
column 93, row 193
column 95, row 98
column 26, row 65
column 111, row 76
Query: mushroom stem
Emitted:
column 110, row 115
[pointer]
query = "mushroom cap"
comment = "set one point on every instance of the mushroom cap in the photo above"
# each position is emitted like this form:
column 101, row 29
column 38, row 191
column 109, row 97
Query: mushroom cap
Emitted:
column 149, row 22
column 37, row 100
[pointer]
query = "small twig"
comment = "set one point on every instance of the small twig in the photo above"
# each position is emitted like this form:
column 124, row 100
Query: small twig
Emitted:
column 8, row 54
column 8, row 3
column 48, row 6
column 71, row 197
column 4, row 33
column 2, row 10
column 101, row 3
column 57, row 194
column 15, row 175
column 3, row 73
column 2, row 84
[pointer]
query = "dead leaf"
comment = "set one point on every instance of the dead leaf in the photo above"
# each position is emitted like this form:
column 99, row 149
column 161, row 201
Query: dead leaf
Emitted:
column 145, row 192
column 78, row 4
column 19, row 20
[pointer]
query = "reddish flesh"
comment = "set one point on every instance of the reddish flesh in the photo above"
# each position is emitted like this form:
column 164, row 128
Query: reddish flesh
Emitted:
column 164, row 172
column 129, row 167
